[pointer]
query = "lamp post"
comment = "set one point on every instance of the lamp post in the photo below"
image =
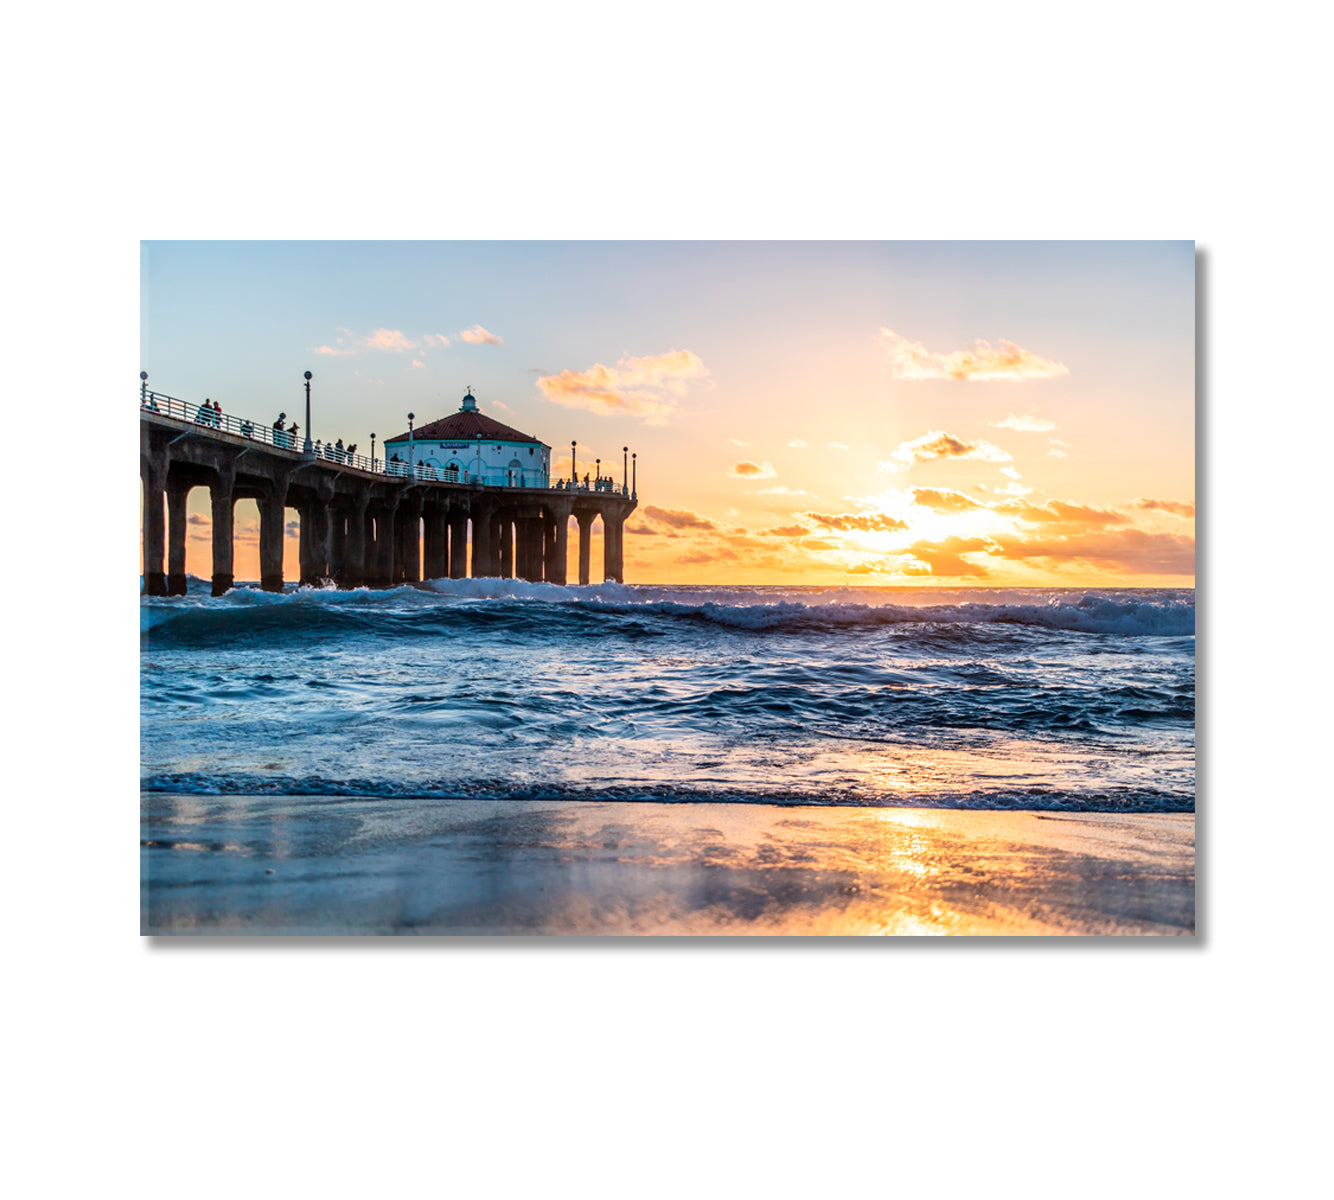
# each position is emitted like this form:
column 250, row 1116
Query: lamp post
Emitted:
column 411, row 416
column 143, row 388
column 478, row 477
column 625, row 468
column 574, row 467
column 308, row 447
column 372, row 454
column 634, row 472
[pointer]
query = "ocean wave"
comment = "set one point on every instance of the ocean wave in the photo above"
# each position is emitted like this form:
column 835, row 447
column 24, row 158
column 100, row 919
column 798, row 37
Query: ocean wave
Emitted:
column 517, row 607
column 1119, row 800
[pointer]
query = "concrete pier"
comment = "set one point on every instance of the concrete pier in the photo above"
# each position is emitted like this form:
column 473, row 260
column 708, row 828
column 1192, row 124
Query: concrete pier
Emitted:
column 358, row 527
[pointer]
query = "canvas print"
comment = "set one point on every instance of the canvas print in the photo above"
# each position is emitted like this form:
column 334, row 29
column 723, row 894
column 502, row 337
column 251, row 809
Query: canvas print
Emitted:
column 667, row 588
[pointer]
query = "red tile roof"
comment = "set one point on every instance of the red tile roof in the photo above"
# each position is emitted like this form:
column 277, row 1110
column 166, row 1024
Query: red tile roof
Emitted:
column 465, row 426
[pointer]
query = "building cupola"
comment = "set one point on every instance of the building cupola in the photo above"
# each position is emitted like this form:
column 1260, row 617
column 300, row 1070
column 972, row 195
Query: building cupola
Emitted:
column 469, row 402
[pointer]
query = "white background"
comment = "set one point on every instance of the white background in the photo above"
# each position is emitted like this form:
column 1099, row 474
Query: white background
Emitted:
column 643, row 1069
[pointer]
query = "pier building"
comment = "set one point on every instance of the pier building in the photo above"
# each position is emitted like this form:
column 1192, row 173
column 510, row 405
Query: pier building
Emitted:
column 361, row 522
column 468, row 446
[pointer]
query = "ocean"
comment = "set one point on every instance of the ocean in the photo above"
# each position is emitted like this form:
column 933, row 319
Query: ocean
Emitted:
column 1069, row 700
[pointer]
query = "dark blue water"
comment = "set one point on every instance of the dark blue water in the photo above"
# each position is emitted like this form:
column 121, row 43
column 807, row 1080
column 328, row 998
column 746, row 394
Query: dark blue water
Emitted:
column 999, row 698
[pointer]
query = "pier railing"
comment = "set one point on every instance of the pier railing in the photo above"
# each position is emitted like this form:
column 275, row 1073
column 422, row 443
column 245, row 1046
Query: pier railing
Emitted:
column 209, row 419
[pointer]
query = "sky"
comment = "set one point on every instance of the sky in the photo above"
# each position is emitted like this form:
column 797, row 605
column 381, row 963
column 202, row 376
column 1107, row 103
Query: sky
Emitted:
column 824, row 413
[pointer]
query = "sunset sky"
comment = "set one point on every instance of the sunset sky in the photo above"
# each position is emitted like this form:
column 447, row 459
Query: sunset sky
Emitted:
column 974, row 413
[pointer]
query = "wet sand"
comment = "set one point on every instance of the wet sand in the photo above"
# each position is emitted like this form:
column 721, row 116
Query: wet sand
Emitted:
column 329, row 865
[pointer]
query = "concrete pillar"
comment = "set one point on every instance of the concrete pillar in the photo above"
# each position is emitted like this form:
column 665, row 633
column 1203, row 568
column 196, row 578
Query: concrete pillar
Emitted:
column 220, row 493
column 484, row 534
column 354, row 550
column 316, row 526
column 337, row 542
column 385, row 536
column 585, row 544
column 436, row 520
column 272, row 522
column 557, row 568
column 154, row 475
column 505, row 541
column 612, row 556
column 409, row 518
column 177, row 522
column 458, row 543
column 530, row 533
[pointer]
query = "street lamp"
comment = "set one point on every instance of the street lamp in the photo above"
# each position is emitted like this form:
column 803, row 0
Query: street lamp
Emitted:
column 625, row 467
column 372, row 454
column 308, row 447
column 478, row 477
column 574, row 467
column 143, row 388
column 410, row 450
column 597, row 473
column 634, row 472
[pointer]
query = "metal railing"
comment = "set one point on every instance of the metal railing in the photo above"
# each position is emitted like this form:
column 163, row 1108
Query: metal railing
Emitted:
column 210, row 419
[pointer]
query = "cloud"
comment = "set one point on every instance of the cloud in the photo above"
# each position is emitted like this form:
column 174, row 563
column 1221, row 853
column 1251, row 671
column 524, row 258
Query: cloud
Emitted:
column 943, row 500
column 1026, row 424
column 936, row 443
column 1126, row 551
column 796, row 443
column 836, row 445
column 436, row 341
column 390, row 339
column 394, row 340
column 1055, row 453
column 912, row 360
column 677, row 518
column 780, row 490
column 477, row 336
column 645, row 387
column 789, row 531
column 944, row 556
column 417, row 362
column 750, row 470
column 1178, row 508
column 861, row 522
column 1058, row 512
column 703, row 556
column 738, row 442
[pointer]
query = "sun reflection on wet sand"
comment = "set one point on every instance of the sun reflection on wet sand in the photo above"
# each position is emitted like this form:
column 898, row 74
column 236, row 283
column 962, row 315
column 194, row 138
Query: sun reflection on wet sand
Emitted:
column 327, row 865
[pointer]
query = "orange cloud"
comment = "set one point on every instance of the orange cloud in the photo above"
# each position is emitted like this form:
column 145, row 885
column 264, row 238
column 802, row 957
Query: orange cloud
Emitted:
column 936, row 443
column 645, row 387
column 912, row 360
column 1178, row 508
column 1128, row 551
column 677, row 518
column 390, row 339
column 750, row 470
column 1026, row 424
column 789, row 531
column 477, row 336
column 863, row 522
column 942, row 500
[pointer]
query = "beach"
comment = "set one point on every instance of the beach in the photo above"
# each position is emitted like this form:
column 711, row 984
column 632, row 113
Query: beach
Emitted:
column 331, row 865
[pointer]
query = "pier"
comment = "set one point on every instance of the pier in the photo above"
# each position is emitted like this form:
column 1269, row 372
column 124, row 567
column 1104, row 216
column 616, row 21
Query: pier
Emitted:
column 363, row 522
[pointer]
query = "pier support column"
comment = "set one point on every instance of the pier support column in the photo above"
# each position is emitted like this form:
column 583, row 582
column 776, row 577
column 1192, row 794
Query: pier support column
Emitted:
column 505, row 542
column 154, row 474
column 585, row 544
column 220, row 493
column 458, row 543
column 353, row 571
column 484, row 534
column 316, row 526
column 613, row 559
column 272, row 511
column 436, row 540
column 556, row 566
column 337, row 542
column 177, row 520
column 385, row 536
column 409, row 521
